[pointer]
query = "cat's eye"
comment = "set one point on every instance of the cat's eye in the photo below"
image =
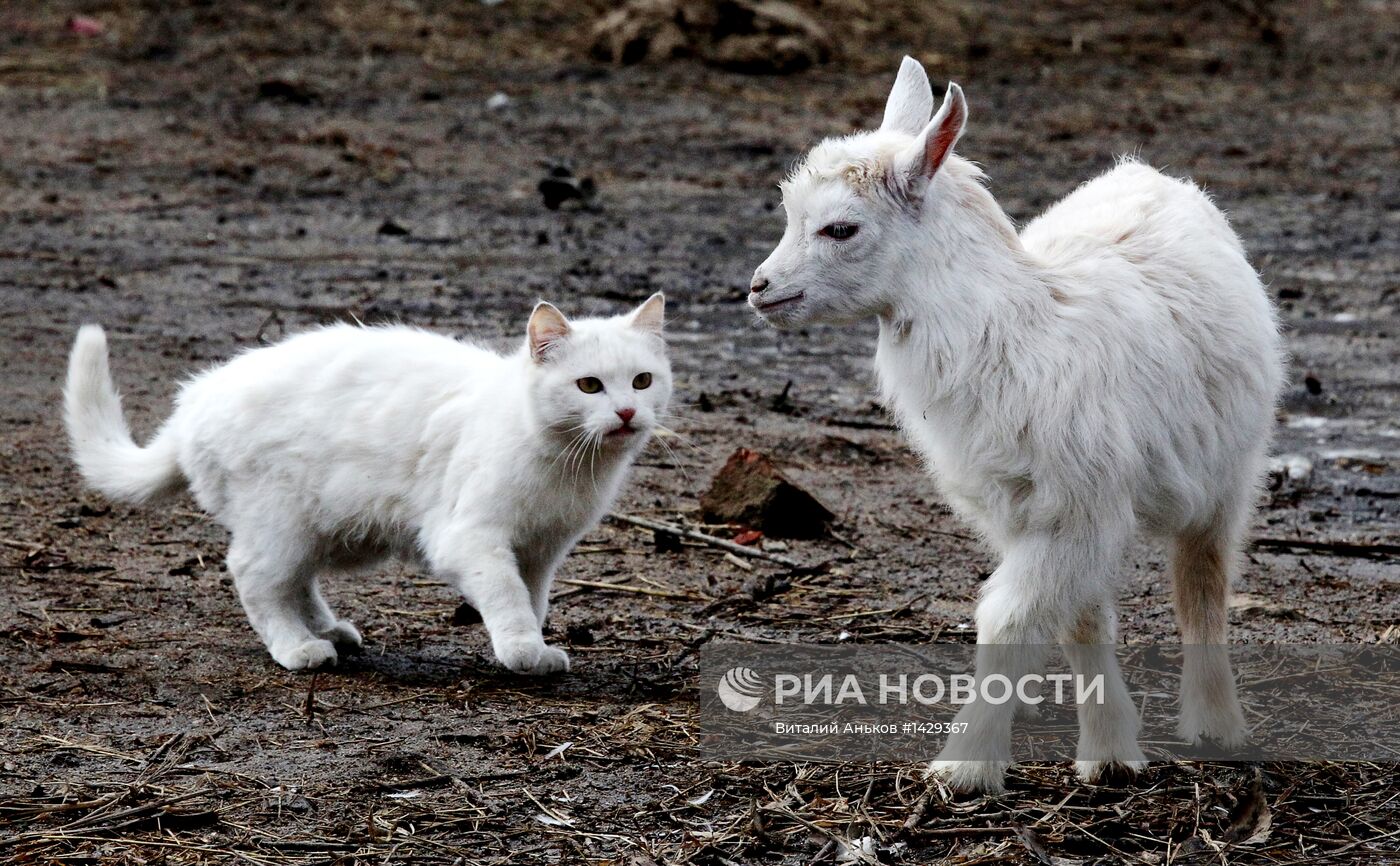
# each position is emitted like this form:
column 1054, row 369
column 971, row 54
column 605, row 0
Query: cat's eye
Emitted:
column 641, row 381
column 590, row 384
column 840, row 231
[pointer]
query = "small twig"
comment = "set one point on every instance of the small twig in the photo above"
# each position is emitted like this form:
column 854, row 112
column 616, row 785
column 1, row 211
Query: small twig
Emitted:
column 917, row 813
column 56, row 808
column 407, row 784
column 737, row 635
column 691, row 646
column 615, row 587
column 310, row 708
column 963, row 831
column 695, row 535
column 100, row 822
column 272, row 319
column 1336, row 548
column 737, row 562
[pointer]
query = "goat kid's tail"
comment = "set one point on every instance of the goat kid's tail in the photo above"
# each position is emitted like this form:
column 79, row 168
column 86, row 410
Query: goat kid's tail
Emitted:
column 102, row 446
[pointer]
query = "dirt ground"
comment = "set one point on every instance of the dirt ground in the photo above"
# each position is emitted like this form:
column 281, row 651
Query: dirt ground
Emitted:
column 199, row 176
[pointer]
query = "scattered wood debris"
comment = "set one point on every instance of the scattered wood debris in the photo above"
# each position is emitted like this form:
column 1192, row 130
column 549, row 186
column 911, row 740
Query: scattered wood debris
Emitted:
column 661, row 527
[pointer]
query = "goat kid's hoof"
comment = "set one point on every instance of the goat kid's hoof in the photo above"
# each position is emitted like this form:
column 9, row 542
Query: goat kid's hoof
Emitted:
column 533, row 657
column 1226, row 734
column 1109, row 772
column 306, row 656
column 1027, row 713
column 972, row 777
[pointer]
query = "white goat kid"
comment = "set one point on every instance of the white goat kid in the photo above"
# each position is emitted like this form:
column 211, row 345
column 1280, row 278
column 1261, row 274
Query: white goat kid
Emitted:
column 1113, row 367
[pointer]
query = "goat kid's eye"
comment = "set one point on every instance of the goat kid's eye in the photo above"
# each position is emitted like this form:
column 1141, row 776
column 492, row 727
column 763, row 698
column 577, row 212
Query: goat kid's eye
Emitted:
column 840, row 231
column 590, row 384
column 641, row 382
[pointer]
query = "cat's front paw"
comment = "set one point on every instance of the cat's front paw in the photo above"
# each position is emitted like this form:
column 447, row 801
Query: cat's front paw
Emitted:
column 305, row 656
column 552, row 661
column 532, row 657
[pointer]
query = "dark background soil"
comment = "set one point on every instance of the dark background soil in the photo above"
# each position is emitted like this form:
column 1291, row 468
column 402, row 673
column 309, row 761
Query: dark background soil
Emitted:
column 200, row 175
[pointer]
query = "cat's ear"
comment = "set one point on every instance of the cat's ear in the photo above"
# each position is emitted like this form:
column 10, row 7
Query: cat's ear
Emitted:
column 651, row 315
column 546, row 329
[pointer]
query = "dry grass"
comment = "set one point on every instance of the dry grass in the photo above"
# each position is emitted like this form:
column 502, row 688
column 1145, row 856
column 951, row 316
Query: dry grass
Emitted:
column 171, row 807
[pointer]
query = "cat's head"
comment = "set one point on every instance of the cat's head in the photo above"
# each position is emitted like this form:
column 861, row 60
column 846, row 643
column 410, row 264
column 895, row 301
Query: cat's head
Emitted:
column 604, row 382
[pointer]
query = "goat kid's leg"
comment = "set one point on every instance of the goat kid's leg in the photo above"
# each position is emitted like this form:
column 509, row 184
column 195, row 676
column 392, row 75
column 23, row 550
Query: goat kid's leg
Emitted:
column 976, row 757
column 1033, row 597
column 1202, row 564
column 1108, row 730
column 1024, row 605
column 273, row 569
column 485, row 569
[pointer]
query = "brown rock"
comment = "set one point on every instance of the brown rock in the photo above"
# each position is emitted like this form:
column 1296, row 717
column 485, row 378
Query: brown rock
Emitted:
column 763, row 53
column 760, row 36
column 750, row 491
column 651, row 30
column 766, row 36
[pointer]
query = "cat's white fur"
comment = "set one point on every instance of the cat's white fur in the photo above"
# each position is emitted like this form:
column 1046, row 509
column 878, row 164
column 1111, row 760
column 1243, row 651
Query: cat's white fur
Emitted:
column 1113, row 367
column 343, row 445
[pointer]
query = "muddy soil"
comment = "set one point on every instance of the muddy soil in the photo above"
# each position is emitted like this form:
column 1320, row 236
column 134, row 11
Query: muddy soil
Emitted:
column 199, row 177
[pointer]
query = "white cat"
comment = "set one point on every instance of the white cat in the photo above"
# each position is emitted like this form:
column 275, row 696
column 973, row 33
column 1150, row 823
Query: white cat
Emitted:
column 341, row 446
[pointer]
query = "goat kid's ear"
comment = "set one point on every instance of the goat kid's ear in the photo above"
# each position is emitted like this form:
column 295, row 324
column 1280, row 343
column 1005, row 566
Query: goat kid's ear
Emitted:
column 651, row 315
column 911, row 100
column 928, row 153
column 547, row 329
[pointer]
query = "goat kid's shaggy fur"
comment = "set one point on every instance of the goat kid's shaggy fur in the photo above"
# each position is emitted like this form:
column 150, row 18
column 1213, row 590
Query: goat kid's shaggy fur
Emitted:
column 341, row 446
column 1111, row 368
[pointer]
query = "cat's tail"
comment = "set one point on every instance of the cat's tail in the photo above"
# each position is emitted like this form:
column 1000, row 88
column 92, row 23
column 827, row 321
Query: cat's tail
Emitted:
column 102, row 446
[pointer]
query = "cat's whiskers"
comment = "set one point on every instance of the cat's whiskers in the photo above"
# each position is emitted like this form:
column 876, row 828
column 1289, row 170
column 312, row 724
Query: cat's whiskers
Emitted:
column 591, row 458
column 582, row 431
column 683, row 438
column 585, row 443
column 671, row 453
column 566, row 449
column 575, row 461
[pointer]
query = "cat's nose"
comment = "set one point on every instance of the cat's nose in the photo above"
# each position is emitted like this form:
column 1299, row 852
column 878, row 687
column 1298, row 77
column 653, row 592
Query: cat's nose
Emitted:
column 626, row 414
column 758, row 284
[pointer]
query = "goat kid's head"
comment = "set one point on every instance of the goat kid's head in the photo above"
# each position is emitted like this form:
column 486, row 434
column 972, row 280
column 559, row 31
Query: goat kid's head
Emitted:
column 852, row 206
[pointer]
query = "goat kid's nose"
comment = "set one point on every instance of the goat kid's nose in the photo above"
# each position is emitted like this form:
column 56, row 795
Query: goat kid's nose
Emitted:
column 758, row 284
column 626, row 414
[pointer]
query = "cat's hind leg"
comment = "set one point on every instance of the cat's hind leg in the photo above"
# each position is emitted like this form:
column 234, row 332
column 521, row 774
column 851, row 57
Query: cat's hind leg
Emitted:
column 273, row 564
column 324, row 623
column 539, row 579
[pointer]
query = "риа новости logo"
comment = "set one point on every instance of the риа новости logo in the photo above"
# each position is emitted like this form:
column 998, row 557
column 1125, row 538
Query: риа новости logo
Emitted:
column 740, row 689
